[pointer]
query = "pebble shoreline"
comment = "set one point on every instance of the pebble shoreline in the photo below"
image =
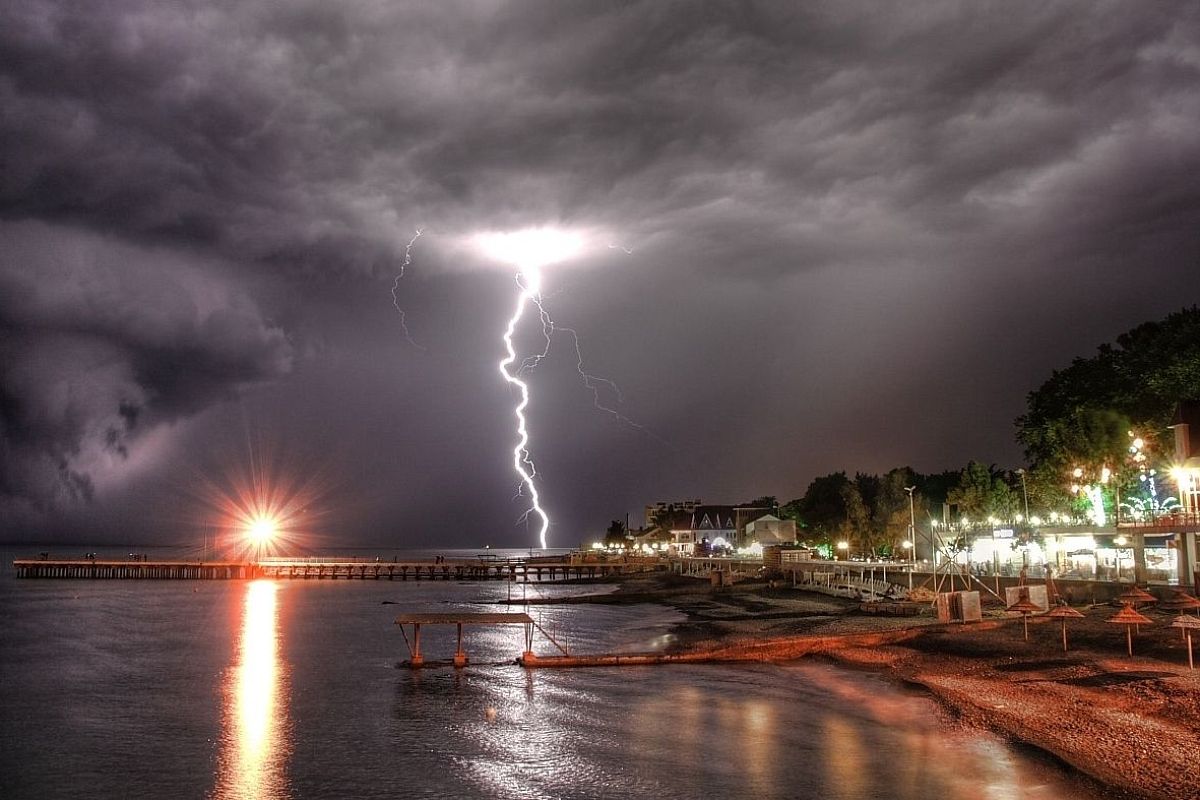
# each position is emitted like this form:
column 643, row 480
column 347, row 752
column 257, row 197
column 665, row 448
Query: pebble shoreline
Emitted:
column 1131, row 723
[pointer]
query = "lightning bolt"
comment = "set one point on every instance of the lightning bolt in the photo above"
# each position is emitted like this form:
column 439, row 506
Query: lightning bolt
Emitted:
column 522, row 463
column 396, row 283
column 593, row 382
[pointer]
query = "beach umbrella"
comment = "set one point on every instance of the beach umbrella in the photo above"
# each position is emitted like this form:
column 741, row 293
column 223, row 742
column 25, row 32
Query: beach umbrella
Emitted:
column 1064, row 613
column 1187, row 625
column 1179, row 603
column 1136, row 595
column 1128, row 617
column 1025, row 607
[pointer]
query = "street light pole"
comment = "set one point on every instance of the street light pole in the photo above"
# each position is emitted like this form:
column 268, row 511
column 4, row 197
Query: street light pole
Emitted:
column 1024, row 493
column 912, row 534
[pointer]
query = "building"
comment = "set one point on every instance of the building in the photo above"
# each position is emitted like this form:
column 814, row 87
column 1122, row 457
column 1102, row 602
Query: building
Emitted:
column 771, row 530
column 1186, row 472
column 1186, row 467
column 712, row 524
column 656, row 511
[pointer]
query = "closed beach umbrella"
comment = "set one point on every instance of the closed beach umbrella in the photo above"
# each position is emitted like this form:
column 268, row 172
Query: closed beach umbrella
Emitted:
column 1128, row 617
column 1187, row 624
column 1064, row 613
column 1025, row 607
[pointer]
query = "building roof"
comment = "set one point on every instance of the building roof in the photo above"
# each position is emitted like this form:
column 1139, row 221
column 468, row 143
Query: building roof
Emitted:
column 713, row 518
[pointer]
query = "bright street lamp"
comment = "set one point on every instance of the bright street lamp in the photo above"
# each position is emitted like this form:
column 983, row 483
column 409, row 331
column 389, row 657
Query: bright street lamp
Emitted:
column 844, row 547
column 260, row 532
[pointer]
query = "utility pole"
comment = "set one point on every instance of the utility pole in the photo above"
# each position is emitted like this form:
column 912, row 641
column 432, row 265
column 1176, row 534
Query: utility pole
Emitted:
column 1024, row 492
column 912, row 534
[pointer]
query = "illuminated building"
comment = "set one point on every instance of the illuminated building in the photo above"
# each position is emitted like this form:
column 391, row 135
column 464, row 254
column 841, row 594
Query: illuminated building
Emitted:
column 692, row 527
column 1186, row 468
column 1186, row 473
column 769, row 530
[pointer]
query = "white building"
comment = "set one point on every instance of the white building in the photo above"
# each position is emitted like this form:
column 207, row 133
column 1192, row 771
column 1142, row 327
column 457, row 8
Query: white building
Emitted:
column 769, row 529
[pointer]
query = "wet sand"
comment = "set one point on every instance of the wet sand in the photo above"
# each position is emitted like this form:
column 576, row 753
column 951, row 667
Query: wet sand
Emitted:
column 1132, row 723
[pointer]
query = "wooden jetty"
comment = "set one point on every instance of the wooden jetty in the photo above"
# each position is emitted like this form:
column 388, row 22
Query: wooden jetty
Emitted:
column 514, row 569
column 97, row 568
column 417, row 660
column 341, row 568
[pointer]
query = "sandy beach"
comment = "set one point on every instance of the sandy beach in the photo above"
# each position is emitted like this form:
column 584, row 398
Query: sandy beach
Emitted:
column 1131, row 723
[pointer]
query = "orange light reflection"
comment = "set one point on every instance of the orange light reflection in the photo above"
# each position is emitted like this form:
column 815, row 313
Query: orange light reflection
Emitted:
column 254, row 744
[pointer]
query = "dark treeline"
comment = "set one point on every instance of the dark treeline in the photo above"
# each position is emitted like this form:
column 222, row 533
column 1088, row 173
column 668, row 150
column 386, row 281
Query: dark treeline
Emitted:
column 1079, row 432
column 872, row 512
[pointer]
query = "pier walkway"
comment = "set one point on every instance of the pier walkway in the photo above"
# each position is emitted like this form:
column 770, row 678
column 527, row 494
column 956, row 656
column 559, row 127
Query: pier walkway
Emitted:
column 122, row 569
column 535, row 568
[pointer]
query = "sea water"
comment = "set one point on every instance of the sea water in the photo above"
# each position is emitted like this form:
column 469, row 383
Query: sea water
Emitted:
column 293, row 689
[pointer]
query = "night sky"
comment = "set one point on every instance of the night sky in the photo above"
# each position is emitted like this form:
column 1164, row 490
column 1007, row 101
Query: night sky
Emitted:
column 819, row 237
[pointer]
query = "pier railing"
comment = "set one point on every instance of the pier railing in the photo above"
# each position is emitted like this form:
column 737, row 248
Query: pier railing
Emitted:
column 119, row 569
column 338, row 568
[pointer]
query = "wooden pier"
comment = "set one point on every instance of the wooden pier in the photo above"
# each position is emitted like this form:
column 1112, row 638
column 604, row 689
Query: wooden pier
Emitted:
column 95, row 568
column 460, row 569
column 531, row 569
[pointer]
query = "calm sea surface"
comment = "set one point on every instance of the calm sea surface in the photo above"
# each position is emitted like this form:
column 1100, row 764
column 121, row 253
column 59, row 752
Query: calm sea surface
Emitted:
column 181, row 689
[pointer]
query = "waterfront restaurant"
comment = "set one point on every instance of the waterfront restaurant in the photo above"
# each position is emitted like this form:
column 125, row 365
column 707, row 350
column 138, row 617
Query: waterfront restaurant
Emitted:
column 1080, row 552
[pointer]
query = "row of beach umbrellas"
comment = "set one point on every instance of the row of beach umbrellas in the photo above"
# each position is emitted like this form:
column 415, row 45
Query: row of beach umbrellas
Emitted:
column 1129, row 616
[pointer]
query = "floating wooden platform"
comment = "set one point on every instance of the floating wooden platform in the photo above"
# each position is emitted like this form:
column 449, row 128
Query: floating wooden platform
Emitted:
column 459, row 619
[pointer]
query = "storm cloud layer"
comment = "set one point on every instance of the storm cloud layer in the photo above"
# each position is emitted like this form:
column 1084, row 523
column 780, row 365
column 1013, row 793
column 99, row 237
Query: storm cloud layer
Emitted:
column 860, row 233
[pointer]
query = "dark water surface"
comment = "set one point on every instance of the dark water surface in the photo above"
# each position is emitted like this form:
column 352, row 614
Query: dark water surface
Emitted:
column 186, row 689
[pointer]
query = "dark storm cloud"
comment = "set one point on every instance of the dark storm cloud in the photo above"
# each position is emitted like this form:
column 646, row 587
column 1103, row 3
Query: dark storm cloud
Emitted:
column 310, row 133
column 867, row 198
column 102, row 342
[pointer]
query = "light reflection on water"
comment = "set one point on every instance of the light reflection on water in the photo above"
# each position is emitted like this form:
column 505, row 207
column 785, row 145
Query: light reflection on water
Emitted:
column 254, row 747
column 766, row 731
column 236, row 690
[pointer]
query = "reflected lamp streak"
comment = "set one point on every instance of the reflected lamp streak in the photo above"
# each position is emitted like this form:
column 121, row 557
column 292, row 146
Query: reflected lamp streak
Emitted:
column 252, row 764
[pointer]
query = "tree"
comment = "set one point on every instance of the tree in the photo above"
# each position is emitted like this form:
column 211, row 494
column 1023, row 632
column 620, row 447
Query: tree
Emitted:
column 663, row 516
column 982, row 492
column 857, row 525
column 822, row 510
column 890, row 514
column 870, row 512
column 1082, row 416
column 766, row 501
column 615, row 535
